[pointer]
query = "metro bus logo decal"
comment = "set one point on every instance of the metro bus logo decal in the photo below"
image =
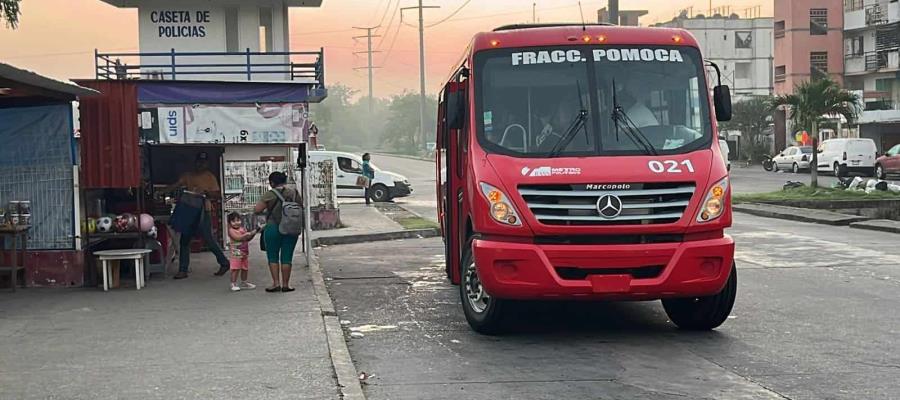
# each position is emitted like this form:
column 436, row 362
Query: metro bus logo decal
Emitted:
column 549, row 171
column 610, row 55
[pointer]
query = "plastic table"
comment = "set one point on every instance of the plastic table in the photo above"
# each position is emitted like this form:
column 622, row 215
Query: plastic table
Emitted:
column 137, row 255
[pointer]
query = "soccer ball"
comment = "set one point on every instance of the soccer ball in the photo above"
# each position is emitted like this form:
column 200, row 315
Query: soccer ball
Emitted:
column 146, row 222
column 105, row 225
column 126, row 223
column 153, row 233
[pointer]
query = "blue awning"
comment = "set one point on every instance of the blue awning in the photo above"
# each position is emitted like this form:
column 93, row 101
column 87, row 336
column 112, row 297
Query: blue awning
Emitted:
column 224, row 92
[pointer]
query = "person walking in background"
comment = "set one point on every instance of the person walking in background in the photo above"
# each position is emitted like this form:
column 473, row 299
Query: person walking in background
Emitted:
column 192, row 214
column 240, row 252
column 369, row 173
column 279, row 247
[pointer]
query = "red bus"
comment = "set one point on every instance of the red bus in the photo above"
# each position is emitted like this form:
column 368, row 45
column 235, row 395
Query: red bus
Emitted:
column 582, row 162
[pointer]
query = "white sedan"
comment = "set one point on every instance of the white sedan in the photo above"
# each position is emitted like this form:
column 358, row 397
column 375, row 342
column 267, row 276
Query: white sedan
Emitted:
column 794, row 159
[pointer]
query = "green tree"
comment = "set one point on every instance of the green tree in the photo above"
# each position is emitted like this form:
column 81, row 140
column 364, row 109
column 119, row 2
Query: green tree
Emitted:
column 9, row 12
column 403, row 122
column 751, row 118
column 810, row 101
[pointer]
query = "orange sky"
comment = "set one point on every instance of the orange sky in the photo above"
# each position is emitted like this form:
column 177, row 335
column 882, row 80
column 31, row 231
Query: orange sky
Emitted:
column 58, row 37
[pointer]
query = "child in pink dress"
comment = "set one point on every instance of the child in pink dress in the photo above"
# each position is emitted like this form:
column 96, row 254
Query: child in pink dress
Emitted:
column 239, row 252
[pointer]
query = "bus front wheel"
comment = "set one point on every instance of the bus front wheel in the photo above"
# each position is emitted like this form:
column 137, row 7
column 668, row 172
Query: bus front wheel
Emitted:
column 703, row 313
column 484, row 313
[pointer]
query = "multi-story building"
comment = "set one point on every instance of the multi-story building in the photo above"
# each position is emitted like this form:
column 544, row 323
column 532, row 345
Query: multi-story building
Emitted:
column 741, row 47
column 872, row 66
column 808, row 44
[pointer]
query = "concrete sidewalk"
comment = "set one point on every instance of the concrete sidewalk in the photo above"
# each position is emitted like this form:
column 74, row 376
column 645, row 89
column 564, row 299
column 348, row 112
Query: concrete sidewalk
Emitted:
column 360, row 219
column 187, row 339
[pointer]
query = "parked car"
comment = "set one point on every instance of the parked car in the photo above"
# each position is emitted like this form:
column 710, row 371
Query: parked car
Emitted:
column 723, row 146
column 889, row 163
column 794, row 159
column 386, row 185
column 841, row 156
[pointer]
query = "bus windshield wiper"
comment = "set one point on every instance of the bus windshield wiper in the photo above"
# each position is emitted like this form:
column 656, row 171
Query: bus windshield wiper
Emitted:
column 570, row 133
column 577, row 125
column 620, row 118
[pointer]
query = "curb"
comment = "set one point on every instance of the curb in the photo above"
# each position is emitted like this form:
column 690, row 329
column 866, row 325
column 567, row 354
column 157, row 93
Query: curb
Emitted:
column 344, row 370
column 879, row 225
column 376, row 237
column 798, row 214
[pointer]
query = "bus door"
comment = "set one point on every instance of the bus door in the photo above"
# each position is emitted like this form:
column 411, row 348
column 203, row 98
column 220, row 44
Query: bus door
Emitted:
column 450, row 157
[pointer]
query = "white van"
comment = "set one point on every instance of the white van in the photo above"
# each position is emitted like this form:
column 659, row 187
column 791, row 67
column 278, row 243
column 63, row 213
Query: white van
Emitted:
column 385, row 186
column 723, row 146
column 841, row 156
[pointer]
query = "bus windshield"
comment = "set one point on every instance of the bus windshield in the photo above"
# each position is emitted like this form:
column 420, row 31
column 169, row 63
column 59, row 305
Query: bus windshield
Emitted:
column 591, row 100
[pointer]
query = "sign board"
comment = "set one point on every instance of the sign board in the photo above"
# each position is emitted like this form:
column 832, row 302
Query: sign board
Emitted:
column 245, row 124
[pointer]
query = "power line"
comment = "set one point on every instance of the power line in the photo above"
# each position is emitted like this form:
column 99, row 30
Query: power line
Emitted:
column 386, row 9
column 450, row 16
column 391, row 22
column 394, row 40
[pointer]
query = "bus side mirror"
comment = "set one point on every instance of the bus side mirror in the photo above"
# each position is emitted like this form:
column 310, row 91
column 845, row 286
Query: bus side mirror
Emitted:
column 722, row 100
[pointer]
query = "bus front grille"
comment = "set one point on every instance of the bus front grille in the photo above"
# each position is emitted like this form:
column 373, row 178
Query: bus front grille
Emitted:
column 608, row 204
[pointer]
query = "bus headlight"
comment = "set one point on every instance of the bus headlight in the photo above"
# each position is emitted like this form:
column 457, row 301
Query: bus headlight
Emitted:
column 714, row 203
column 502, row 210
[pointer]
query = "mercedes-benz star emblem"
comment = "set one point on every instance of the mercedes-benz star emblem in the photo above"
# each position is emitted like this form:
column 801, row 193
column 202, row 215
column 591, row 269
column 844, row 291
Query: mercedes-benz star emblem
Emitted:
column 609, row 206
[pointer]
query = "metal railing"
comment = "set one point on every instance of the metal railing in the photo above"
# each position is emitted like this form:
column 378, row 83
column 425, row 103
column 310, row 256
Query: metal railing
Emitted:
column 876, row 61
column 247, row 65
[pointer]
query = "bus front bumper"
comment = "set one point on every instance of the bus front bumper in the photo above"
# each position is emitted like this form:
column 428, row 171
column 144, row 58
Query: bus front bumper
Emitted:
column 512, row 270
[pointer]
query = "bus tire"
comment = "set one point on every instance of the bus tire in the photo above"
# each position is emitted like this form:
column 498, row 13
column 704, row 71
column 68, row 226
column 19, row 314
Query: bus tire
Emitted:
column 703, row 313
column 484, row 314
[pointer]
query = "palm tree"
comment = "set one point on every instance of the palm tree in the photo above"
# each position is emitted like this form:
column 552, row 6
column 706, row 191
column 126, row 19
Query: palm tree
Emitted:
column 9, row 11
column 810, row 101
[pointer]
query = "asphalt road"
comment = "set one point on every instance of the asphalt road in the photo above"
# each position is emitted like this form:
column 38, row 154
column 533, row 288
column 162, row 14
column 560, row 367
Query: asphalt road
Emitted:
column 815, row 318
column 423, row 201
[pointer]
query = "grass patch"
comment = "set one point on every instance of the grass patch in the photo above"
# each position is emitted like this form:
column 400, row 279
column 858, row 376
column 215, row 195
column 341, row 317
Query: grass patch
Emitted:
column 808, row 193
column 412, row 223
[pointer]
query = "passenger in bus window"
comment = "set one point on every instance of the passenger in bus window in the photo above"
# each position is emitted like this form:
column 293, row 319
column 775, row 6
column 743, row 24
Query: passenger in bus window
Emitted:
column 633, row 100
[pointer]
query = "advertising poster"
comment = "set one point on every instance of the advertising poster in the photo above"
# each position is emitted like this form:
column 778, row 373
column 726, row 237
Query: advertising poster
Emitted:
column 255, row 124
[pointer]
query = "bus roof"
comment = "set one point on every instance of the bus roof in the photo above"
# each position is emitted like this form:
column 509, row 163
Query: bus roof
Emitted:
column 572, row 34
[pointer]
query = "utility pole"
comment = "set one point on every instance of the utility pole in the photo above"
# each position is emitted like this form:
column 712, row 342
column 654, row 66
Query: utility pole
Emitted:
column 370, row 67
column 421, row 8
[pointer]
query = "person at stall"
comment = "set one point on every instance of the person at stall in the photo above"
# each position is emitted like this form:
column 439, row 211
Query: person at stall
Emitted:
column 279, row 247
column 192, row 216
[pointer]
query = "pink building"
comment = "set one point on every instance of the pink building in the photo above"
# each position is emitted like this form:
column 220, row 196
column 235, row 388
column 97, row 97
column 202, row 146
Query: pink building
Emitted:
column 808, row 43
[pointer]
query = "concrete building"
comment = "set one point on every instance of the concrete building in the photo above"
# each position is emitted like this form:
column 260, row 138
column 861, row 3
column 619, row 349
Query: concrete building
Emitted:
column 872, row 66
column 626, row 17
column 741, row 47
column 808, row 43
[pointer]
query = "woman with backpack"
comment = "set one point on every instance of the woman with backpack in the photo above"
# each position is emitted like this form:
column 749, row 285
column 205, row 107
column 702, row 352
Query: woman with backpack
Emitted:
column 282, row 230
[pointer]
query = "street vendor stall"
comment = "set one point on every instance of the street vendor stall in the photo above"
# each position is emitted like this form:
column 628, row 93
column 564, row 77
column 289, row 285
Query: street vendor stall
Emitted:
column 244, row 142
